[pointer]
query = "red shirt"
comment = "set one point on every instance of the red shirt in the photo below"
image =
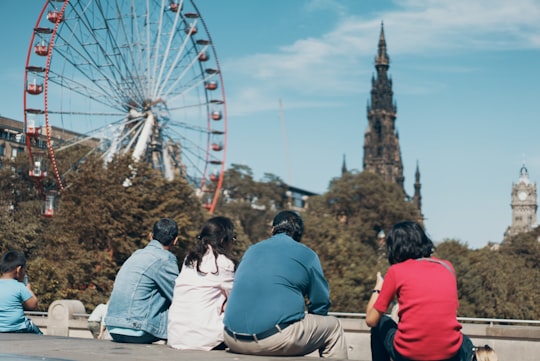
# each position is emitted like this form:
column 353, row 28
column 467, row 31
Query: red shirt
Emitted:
column 427, row 296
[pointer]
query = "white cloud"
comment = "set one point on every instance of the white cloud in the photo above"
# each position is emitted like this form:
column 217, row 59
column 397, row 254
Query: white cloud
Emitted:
column 331, row 65
column 464, row 24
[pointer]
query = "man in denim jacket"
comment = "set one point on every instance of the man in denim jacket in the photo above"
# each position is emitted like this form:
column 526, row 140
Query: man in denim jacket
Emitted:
column 143, row 289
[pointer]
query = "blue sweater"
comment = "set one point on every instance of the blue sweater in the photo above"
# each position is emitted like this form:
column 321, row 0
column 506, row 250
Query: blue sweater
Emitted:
column 270, row 284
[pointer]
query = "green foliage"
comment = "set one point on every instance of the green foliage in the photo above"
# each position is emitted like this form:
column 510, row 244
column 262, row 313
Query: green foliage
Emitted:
column 251, row 204
column 342, row 227
column 497, row 281
column 106, row 213
column 99, row 222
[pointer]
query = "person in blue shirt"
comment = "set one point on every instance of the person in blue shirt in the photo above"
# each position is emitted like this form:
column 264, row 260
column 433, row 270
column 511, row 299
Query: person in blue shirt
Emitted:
column 143, row 289
column 16, row 295
column 277, row 280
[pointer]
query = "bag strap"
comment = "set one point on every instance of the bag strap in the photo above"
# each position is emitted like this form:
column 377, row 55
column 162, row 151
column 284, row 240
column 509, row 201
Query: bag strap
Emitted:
column 439, row 262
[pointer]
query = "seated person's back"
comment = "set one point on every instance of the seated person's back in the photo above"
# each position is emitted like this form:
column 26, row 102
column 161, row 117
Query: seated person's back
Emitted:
column 15, row 296
column 202, row 289
column 265, row 314
column 143, row 289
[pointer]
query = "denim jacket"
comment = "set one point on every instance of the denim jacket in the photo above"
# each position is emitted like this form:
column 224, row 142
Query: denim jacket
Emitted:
column 143, row 291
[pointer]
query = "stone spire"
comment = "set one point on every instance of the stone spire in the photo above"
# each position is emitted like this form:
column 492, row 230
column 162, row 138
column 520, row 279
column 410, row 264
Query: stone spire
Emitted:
column 417, row 198
column 382, row 153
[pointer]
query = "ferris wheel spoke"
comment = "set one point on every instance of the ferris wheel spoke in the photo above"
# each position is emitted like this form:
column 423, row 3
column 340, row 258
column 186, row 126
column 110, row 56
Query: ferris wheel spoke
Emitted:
column 183, row 126
column 95, row 92
column 165, row 57
column 103, row 88
column 97, row 51
column 121, row 57
column 177, row 63
column 71, row 112
column 192, row 82
column 173, row 91
column 191, row 160
column 92, row 135
column 83, row 49
column 191, row 152
column 132, row 43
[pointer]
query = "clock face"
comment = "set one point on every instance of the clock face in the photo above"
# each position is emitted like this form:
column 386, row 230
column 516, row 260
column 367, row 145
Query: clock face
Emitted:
column 522, row 195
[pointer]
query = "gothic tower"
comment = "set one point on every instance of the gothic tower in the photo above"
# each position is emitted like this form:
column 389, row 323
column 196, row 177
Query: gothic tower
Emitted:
column 524, row 205
column 417, row 198
column 382, row 154
column 344, row 167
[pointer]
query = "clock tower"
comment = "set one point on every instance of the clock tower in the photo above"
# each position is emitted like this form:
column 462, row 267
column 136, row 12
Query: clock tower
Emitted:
column 524, row 205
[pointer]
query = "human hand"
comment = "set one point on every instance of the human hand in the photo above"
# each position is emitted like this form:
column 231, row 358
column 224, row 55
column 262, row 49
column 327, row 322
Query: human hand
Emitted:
column 380, row 281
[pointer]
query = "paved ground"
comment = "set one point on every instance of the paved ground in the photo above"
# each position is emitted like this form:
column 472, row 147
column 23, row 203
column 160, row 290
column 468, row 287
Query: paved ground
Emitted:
column 30, row 347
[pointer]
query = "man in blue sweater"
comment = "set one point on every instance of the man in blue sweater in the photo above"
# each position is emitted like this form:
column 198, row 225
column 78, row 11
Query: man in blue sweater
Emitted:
column 265, row 313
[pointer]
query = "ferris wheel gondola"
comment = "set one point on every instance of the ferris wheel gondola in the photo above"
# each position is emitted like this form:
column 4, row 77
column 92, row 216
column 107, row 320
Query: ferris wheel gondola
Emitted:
column 125, row 76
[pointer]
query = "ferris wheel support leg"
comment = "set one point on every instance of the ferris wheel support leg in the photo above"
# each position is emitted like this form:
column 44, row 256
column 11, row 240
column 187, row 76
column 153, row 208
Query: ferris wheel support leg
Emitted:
column 144, row 137
column 115, row 145
column 167, row 163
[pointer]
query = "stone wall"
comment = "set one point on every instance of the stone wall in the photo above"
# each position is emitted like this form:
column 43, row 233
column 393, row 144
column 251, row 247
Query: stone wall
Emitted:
column 511, row 342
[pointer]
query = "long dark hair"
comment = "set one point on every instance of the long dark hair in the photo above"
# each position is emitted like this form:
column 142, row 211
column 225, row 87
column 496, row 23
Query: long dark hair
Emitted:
column 407, row 240
column 218, row 233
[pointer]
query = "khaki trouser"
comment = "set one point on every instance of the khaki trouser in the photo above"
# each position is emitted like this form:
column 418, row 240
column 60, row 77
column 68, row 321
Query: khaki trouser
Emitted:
column 314, row 332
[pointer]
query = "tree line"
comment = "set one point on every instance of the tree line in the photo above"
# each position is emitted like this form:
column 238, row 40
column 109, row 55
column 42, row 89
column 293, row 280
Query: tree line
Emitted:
column 100, row 221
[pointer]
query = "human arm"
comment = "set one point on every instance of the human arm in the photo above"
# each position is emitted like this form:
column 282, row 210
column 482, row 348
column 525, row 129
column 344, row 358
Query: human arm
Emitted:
column 373, row 315
column 31, row 302
column 226, row 277
column 318, row 293
column 166, row 277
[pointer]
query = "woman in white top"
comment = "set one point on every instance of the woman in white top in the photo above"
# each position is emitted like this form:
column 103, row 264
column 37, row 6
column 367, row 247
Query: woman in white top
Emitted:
column 201, row 289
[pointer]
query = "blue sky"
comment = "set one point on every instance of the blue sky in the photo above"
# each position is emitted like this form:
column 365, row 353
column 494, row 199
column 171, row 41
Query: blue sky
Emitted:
column 466, row 82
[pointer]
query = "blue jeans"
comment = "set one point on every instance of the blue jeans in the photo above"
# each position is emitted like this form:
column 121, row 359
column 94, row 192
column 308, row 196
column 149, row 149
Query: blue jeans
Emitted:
column 145, row 338
column 382, row 343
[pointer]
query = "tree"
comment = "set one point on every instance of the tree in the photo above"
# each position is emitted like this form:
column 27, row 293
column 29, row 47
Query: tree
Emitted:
column 102, row 220
column 20, row 204
column 251, row 204
column 342, row 227
column 496, row 281
column 458, row 254
column 106, row 213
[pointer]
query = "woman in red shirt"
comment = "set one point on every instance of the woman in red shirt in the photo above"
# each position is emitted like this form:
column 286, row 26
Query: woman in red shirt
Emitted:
column 426, row 292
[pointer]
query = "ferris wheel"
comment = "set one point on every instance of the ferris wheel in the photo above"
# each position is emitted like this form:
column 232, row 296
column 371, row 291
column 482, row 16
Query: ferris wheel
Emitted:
column 137, row 77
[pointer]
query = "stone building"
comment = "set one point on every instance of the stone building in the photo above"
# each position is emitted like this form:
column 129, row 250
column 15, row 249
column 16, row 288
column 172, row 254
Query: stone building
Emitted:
column 524, row 205
column 382, row 153
column 12, row 140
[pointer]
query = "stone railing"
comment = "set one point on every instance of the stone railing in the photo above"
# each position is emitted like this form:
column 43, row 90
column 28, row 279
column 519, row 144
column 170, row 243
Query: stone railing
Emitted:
column 64, row 318
column 512, row 339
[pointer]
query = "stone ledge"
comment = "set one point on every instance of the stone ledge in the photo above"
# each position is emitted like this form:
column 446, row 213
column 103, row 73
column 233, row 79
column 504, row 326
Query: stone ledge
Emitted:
column 39, row 347
column 521, row 332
